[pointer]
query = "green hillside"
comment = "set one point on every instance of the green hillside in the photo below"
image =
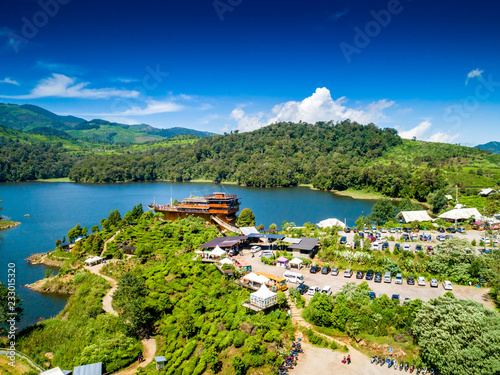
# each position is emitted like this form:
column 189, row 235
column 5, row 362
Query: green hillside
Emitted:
column 490, row 146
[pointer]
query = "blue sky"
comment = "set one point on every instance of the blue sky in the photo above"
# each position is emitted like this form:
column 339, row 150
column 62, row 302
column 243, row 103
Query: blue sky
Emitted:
column 428, row 68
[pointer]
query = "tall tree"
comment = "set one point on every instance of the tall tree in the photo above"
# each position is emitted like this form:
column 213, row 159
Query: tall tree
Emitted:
column 246, row 218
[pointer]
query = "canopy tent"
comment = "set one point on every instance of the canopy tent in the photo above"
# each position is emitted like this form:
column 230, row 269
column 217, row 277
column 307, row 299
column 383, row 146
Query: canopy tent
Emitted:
column 263, row 297
column 332, row 222
column 248, row 230
column 461, row 214
column 282, row 262
column 254, row 278
column 218, row 252
column 54, row 371
column 409, row 216
column 296, row 262
column 226, row 261
column 93, row 261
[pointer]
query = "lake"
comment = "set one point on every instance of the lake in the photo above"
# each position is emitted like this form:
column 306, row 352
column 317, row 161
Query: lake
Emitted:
column 57, row 207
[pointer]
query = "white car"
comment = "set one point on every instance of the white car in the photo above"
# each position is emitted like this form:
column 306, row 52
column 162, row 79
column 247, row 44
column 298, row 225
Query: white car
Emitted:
column 383, row 230
column 375, row 246
column 392, row 230
column 406, row 247
column 421, row 281
column 447, row 285
column 255, row 249
column 313, row 290
column 348, row 245
column 327, row 290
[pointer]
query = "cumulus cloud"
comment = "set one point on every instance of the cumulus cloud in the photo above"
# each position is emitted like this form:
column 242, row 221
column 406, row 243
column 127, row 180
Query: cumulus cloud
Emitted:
column 9, row 81
column 476, row 73
column 421, row 129
column 320, row 106
column 152, row 107
column 417, row 132
column 61, row 86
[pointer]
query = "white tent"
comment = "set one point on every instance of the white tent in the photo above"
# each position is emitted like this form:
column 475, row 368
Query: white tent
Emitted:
column 332, row 222
column 296, row 262
column 263, row 297
column 253, row 277
column 94, row 260
column 409, row 216
column 217, row 251
column 54, row 371
column 226, row 261
column 461, row 214
column 248, row 230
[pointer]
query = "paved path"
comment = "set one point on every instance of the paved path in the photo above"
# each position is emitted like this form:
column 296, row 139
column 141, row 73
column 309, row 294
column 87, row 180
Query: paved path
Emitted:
column 108, row 298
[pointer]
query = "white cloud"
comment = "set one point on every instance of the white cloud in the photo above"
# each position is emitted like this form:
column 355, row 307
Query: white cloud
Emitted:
column 421, row 129
column 10, row 81
column 318, row 107
column 474, row 73
column 152, row 107
column 61, row 86
column 443, row 137
column 418, row 131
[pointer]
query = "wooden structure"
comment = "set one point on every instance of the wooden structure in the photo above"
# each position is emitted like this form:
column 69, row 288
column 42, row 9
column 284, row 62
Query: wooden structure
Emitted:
column 160, row 362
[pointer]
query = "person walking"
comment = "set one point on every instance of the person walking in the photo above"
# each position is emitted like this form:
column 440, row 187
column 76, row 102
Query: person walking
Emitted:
column 348, row 359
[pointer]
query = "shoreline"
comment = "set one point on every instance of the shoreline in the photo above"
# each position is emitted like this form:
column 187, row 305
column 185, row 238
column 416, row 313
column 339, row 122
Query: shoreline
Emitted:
column 11, row 224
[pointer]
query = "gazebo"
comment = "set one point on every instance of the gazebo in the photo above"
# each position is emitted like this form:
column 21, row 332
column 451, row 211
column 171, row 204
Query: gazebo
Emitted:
column 263, row 298
column 332, row 222
column 282, row 262
column 296, row 262
column 160, row 362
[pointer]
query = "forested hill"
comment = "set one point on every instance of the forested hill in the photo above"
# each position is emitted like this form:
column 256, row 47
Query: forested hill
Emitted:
column 37, row 120
column 490, row 146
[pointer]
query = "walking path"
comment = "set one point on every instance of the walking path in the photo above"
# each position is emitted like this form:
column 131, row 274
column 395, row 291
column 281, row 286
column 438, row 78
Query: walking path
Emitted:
column 148, row 344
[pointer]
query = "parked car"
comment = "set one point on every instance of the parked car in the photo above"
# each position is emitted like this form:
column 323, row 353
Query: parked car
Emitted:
column 451, row 230
column 383, row 230
column 347, row 273
column 441, row 238
column 266, row 254
column 348, row 245
column 395, row 297
column 314, row 269
column 406, row 237
column 434, row 283
column 441, row 230
column 343, row 240
column 255, row 249
column 359, row 275
column 347, row 230
column 302, row 288
column 392, row 230
column 421, row 281
column 406, row 247
column 325, row 270
column 385, row 245
column 447, row 285
column 418, row 248
column 313, row 290
column 375, row 246
column 361, row 234
column 397, row 246
column 387, row 277
column 327, row 290
column 410, row 280
column 369, row 275
column 371, row 295
column 335, row 271
column 398, row 279
column 378, row 277
column 461, row 230
column 406, row 300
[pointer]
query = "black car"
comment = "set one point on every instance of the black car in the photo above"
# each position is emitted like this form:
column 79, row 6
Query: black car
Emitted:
column 385, row 245
column 451, row 230
column 418, row 248
column 369, row 275
column 378, row 277
column 395, row 297
column 362, row 234
column 347, row 230
column 314, row 269
column 372, row 296
column 343, row 240
column 441, row 230
column 359, row 275
column 397, row 246
column 302, row 288
column 410, row 280
column 325, row 270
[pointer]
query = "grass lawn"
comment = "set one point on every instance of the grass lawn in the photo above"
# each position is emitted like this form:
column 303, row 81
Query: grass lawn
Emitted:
column 359, row 194
column 62, row 179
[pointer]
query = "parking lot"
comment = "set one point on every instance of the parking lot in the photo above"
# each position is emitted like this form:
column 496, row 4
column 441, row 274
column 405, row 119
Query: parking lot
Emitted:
column 405, row 291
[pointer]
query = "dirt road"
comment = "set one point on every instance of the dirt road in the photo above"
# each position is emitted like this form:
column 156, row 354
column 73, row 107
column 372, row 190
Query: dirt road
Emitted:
column 108, row 298
column 148, row 354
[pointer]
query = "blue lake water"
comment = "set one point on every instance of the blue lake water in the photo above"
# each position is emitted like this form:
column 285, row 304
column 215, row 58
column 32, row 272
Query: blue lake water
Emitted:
column 55, row 208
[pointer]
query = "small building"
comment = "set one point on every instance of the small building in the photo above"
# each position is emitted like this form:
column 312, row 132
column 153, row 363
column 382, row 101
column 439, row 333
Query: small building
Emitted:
column 263, row 298
column 93, row 261
column 303, row 246
column 449, row 197
column 486, row 192
column 410, row 216
column 160, row 362
column 56, row 371
column 296, row 262
column 248, row 230
column 92, row 369
column 129, row 249
column 242, row 265
column 227, row 243
column 282, row 262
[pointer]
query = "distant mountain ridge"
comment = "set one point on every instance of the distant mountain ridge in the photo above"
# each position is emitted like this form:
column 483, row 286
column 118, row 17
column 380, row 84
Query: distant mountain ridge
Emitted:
column 492, row 146
column 33, row 119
